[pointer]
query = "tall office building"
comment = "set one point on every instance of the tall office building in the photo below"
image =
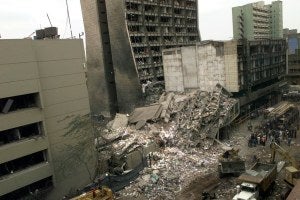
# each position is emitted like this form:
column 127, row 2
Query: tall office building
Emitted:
column 42, row 87
column 252, row 71
column 125, row 39
column 293, row 69
column 257, row 21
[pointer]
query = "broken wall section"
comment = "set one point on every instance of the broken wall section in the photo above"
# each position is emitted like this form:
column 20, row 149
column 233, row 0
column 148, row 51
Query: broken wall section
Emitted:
column 202, row 67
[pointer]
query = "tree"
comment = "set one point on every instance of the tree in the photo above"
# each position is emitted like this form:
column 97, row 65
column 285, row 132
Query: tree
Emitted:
column 78, row 148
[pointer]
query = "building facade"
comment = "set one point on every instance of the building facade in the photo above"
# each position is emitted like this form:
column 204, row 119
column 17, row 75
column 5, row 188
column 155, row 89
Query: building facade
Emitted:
column 42, row 87
column 125, row 39
column 293, row 69
column 256, row 21
column 248, row 69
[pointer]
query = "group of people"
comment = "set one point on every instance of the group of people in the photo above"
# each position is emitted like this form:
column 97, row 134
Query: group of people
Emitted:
column 257, row 138
column 272, row 130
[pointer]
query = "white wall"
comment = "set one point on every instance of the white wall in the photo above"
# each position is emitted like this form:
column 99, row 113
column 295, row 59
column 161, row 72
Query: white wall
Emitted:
column 201, row 66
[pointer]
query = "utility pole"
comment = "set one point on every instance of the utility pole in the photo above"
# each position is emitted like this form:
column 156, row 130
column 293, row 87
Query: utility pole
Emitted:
column 49, row 20
column 69, row 18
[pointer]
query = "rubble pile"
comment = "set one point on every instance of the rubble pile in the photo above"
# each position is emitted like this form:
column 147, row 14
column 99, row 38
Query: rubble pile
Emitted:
column 179, row 123
column 204, row 113
column 172, row 168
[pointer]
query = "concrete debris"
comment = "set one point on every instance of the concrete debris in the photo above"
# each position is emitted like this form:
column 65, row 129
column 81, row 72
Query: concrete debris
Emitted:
column 120, row 121
column 147, row 113
column 183, row 125
column 200, row 113
column 140, row 124
column 205, row 113
column 109, row 136
column 173, row 171
column 165, row 114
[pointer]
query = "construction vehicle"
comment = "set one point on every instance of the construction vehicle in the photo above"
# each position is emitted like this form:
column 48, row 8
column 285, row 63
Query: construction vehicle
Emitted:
column 292, row 173
column 256, row 182
column 295, row 193
column 230, row 163
column 96, row 194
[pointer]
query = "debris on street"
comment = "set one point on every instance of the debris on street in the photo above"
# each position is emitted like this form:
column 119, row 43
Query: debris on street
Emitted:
column 182, row 125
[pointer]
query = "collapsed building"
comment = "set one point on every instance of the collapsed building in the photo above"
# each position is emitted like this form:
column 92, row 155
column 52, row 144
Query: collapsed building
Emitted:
column 171, row 137
column 252, row 70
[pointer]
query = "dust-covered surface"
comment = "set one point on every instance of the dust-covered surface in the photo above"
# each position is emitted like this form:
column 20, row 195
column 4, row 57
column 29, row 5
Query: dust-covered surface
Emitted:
column 185, row 164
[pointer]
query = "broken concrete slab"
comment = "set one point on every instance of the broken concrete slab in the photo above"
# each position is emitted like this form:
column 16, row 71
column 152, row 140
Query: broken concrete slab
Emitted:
column 146, row 113
column 120, row 121
column 140, row 124
column 182, row 141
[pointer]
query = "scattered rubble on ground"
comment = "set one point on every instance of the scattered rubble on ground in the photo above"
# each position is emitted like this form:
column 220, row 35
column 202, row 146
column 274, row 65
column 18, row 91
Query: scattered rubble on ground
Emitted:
column 174, row 170
column 182, row 124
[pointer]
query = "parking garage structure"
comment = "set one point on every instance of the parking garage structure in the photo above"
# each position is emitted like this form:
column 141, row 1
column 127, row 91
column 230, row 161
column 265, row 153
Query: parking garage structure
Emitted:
column 42, row 83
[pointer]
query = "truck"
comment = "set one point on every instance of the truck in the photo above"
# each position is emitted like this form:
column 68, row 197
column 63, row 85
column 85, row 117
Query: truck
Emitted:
column 295, row 193
column 96, row 194
column 230, row 163
column 256, row 182
column 292, row 172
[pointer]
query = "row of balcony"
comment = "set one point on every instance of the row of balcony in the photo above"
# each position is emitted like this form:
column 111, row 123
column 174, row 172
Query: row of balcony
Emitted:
column 163, row 24
column 140, row 41
column 22, row 144
column 17, row 180
column 136, row 4
column 189, row 15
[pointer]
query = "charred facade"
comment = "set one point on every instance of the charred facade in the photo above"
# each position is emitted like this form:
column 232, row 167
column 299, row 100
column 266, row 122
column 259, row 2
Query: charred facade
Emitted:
column 131, row 35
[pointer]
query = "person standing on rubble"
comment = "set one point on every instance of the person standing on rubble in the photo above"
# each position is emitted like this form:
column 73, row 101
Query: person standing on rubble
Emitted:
column 280, row 134
column 249, row 126
column 271, row 138
column 287, row 132
column 263, row 140
column 289, row 140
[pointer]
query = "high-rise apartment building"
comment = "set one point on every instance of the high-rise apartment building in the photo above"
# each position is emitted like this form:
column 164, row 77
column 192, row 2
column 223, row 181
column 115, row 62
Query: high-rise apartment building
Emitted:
column 42, row 87
column 257, row 21
column 125, row 39
column 293, row 69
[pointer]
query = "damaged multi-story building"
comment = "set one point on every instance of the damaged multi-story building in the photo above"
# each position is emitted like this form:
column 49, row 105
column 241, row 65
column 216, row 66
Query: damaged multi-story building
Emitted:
column 257, row 21
column 251, row 70
column 42, row 87
column 124, row 41
column 293, row 69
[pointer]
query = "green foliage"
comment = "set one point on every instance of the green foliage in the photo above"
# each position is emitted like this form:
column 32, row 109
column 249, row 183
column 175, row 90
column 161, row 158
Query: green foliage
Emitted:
column 78, row 148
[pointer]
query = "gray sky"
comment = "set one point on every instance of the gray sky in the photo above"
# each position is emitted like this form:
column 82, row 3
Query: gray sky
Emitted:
column 19, row 18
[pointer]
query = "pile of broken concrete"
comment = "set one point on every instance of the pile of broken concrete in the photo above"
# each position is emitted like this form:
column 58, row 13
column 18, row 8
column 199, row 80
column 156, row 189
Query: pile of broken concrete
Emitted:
column 182, row 127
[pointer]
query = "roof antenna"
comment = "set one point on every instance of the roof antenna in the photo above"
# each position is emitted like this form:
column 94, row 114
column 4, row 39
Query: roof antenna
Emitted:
column 49, row 20
column 69, row 18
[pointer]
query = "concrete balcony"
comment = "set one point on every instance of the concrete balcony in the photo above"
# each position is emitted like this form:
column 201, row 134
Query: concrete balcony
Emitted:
column 25, row 177
column 20, row 118
column 16, row 88
column 22, row 148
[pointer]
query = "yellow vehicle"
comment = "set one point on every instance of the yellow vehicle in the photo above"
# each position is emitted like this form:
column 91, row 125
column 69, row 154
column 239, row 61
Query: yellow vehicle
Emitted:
column 96, row 194
column 295, row 193
column 230, row 163
column 292, row 173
